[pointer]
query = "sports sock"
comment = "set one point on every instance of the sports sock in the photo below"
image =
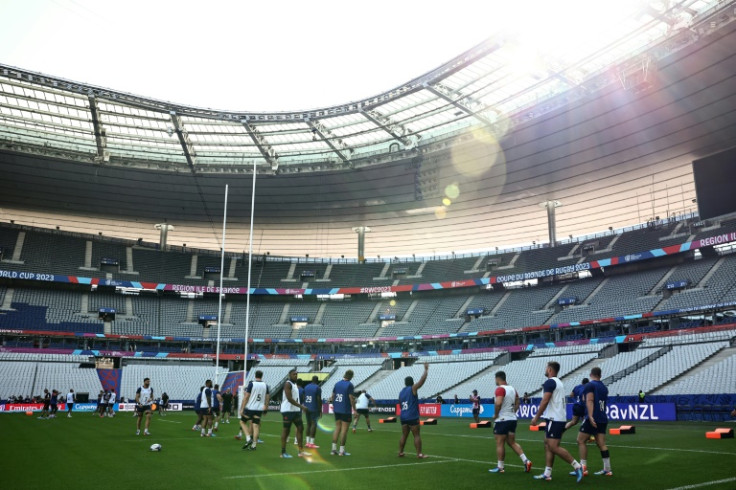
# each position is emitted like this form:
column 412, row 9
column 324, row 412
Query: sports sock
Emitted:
column 523, row 457
column 216, row 424
column 334, row 446
column 248, row 439
column 500, row 464
column 209, row 431
column 606, row 460
column 576, row 465
column 342, row 449
column 584, row 462
column 547, row 471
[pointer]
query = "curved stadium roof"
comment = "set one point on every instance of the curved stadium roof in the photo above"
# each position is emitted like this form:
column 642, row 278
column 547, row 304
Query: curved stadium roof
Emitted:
column 456, row 159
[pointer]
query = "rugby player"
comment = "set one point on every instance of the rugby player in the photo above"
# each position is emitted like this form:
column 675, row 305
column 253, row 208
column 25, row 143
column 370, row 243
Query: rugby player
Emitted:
column 291, row 413
column 578, row 407
column 70, row 398
column 409, row 402
column 504, row 428
column 206, row 407
column 255, row 406
column 143, row 400
column 361, row 404
column 313, row 401
column 343, row 400
column 553, row 410
column 596, row 398
column 475, row 400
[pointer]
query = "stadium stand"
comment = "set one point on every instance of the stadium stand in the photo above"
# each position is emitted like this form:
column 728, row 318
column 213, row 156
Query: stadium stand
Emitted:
column 665, row 368
column 361, row 373
column 439, row 380
column 714, row 379
column 179, row 381
column 525, row 375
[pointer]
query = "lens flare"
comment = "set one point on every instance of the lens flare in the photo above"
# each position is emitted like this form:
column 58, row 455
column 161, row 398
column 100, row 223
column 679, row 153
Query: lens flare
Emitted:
column 326, row 424
column 392, row 302
column 452, row 191
column 446, row 202
column 480, row 156
column 440, row 212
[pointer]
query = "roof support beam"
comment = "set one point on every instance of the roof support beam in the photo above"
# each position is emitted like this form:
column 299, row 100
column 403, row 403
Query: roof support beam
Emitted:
column 268, row 152
column 440, row 92
column 102, row 154
column 341, row 149
column 394, row 129
column 186, row 143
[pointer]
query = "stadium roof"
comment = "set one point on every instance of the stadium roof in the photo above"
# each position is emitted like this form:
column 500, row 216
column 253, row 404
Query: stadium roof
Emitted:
column 456, row 159
column 503, row 81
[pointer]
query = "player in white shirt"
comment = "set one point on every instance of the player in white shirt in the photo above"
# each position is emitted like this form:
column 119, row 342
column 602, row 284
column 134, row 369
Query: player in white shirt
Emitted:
column 291, row 413
column 206, row 407
column 554, row 411
column 361, row 406
column 255, row 405
column 143, row 401
column 111, row 403
column 506, row 405
column 70, row 398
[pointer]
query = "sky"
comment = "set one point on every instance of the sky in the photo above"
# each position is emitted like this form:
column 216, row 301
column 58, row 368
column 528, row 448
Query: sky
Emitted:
column 241, row 55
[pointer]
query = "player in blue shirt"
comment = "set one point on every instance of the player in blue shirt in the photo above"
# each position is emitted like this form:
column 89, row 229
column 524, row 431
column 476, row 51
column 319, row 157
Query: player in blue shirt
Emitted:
column 409, row 402
column 578, row 404
column 197, row 403
column 313, row 402
column 596, row 398
column 343, row 400
column 217, row 404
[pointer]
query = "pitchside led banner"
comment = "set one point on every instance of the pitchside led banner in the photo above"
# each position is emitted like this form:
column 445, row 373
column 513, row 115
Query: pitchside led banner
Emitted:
column 466, row 410
column 664, row 412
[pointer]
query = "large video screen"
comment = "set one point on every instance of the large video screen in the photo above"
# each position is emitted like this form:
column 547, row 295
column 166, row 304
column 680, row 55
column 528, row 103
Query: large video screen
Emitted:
column 715, row 184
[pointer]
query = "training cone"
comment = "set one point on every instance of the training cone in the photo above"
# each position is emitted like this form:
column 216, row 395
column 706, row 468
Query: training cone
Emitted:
column 154, row 407
column 29, row 412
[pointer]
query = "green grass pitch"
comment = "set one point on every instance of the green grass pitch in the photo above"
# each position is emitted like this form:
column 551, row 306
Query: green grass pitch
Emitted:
column 87, row 452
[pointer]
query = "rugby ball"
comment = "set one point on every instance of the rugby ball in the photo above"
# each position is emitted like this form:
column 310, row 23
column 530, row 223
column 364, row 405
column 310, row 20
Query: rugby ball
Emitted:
column 155, row 447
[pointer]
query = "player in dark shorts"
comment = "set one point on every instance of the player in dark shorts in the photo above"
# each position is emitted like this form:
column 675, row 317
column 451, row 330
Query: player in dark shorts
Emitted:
column 553, row 409
column 100, row 402
column 255, row 405
column 578, row 407
column 475, row 400
column 343, row 400
column 165, row 402
column 291, row 414
column 313, row 401
column 46, row 404
column 54, row 404
column 596, row 398
column 197, row 410
column 216, row 412
column 409, row 402
column 227, row 406
column 362, row 402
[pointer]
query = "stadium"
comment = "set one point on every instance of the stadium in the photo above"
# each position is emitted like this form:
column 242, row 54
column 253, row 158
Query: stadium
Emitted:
column 493, row 213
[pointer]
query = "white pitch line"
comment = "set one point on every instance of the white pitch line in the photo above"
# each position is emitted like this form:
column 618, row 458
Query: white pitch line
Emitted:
column 489, row 463
column 170, row 421
column 468, row 436
column 705, row 484
column 336, row 470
